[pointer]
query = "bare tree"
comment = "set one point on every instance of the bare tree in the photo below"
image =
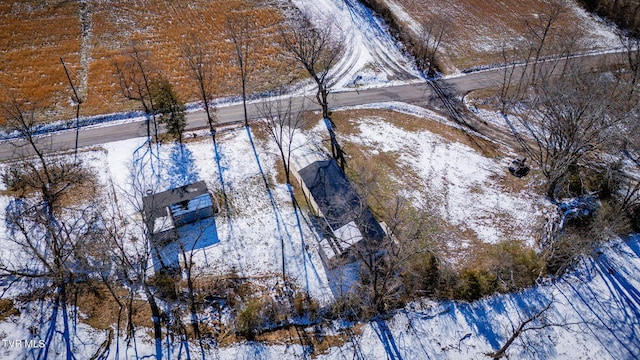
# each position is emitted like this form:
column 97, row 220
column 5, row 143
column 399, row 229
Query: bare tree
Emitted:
column 566, row 119
column 188, row 249
column 621, row 177
column 52, row 231
column 389, row 258
column 135, row 74
column 540, row 32
column 428, row 43
column 537, row 321
column 317, row 51
column 282, row 119
column 239, row 27
column 77, row 101
column 403, row 264
column 133, row 253
column 200, row 65
column 631, row 42
column 523, row 63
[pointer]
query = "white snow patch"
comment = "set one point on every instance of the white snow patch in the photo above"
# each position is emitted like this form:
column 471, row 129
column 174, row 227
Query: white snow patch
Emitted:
column 372, row 56
column 457, row 181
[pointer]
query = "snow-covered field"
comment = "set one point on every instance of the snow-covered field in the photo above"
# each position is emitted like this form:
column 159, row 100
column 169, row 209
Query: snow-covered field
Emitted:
column 373, row 56
column 477, row 31
column 454, row 180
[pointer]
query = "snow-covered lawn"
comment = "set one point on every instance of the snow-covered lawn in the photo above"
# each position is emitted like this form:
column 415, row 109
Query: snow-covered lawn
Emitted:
column 451, row 179
column 260, row 214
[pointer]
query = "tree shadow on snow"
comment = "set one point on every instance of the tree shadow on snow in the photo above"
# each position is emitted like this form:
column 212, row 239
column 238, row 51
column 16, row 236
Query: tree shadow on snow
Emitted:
column 607, row 319
column 386, row 337
column 281, row 228
column 182, row 169
column 218, row 156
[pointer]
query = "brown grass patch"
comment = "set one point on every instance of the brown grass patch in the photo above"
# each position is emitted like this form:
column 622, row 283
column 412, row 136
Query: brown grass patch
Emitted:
column 347, row 124
column 7, row 309
column 95, row 301
column 515, row 185
column 85, row 190
column 320, row 343
column 101, row 310
column 72, row 183
column 34, row 35
column 479, row 28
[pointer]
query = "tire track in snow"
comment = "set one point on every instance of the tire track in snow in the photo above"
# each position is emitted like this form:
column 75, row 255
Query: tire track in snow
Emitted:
column 372, row 54
column 378, row 40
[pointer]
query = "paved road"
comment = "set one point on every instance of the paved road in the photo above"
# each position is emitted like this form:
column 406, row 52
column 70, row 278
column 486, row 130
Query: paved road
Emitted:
column 410, row 93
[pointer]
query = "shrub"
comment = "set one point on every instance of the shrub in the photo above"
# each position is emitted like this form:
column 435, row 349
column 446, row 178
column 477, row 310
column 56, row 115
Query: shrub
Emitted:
column 514, row 265
column 581, row 236
column 349, row 307
column 422, row 275
column 166, row 285
column 303, row 305
column 7, row 309
column 474, row 284
column 249, row 321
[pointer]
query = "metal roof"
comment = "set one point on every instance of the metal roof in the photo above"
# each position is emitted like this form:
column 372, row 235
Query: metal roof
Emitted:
column 338, row 200
column 154, row 206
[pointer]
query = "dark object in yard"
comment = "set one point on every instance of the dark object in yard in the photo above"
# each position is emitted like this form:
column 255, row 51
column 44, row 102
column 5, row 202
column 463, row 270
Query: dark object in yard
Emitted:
column 518, row 167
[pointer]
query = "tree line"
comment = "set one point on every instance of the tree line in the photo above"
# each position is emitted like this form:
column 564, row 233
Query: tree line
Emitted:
column 578, row 123
column 625, row 13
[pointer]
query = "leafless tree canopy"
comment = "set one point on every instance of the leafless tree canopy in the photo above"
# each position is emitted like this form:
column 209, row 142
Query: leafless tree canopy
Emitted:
column 200, row 65
column 564, row 114
column 240, row 29
column 539, row 320
column 545, row 37
column 428, row 42
column 52, row 219
column 282, row 121
column 135, row 74
column 317, row 50
column 567, row 119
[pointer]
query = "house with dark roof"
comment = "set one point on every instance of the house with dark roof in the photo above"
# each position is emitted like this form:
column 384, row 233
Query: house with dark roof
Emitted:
column 333, row 197
column 180, row 217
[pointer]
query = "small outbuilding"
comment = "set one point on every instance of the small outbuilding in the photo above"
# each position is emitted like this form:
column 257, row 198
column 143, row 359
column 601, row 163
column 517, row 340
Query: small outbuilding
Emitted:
column 167, row 212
